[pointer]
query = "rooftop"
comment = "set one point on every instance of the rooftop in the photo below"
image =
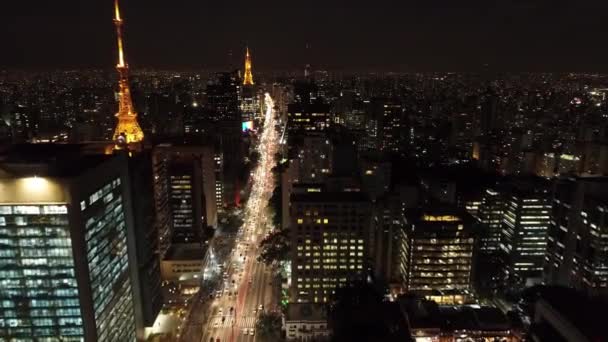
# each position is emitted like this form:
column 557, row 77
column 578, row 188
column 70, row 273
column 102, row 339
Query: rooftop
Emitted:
column 191, row 251
column 306, row 312
column 426, row 314
column 51, row 160
column 440, row 214
column 324, row 197
column 583, row 312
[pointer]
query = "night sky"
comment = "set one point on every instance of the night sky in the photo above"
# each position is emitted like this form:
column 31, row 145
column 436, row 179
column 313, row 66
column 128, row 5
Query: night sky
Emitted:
column 425, row 35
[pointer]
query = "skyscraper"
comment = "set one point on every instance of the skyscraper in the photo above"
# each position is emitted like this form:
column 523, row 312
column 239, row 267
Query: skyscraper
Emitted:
column 436, row 250
column 186, row 195
column 146, row 276
column 127, row 128
column 223, row 91
column 250, row 106
column 527, row 213
column 578, row 234
column 65, row 246
column 330, row 241
column 308, row 117
column 490, row 217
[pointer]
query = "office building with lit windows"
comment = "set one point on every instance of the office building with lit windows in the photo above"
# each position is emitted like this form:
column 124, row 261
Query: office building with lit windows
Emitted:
column 315, row 158
column 526, row 218
column 65, row 246
column 329, row 239
column 386, row 127
column 490, row 218
column 436, row 250
column 578, row 235
column 186, row 194
column 308, row 117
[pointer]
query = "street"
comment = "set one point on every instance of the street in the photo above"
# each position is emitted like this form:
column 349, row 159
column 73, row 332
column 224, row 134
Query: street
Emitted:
column 247, row 287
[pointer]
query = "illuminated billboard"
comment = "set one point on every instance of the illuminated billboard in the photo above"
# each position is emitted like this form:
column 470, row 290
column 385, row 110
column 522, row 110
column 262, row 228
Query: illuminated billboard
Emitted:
column 247, row 126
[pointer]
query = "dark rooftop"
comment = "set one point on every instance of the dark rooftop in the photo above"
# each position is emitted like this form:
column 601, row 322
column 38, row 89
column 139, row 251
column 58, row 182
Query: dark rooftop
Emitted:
column 306, row 312
column 321, row 197
column 52, row 160
column 585, row 313
column 192, row 251
column 426, row 314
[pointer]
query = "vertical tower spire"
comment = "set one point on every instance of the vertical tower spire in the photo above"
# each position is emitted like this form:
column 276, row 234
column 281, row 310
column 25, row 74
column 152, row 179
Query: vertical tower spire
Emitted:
column 248, row 79
column 127, row 128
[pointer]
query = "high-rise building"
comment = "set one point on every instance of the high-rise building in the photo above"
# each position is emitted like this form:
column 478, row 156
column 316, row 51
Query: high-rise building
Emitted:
column 436, row 250
column 147, row 283
column 67, row 246
column 307, row 117
column 223, row 98
column 329, row 238
column 250, row 106
column 222, row 93
column 186, row 192
column 387, row 223
column 578, row 235
column 490, row 219
column 315, row 158
column 527, row 213
column 389, row 115
column 127, row 128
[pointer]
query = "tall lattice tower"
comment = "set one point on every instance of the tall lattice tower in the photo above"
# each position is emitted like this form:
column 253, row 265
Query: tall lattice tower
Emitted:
column 127, row 129
column 248, row 79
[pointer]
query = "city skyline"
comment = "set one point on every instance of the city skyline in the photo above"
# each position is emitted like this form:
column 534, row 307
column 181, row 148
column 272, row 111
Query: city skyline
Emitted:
column 301, row 188
column 511, row 36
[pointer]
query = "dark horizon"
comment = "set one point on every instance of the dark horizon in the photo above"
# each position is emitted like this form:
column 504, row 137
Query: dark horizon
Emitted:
column 537, row 36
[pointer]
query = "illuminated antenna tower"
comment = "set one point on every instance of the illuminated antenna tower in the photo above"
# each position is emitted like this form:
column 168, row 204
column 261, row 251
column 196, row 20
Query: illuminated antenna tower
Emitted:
column 248, row 79
column 127, row 129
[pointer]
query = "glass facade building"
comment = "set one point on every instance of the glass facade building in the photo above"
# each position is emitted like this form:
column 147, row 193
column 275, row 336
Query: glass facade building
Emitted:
column 38, row 288
column 437, row 250
column 490, row 217
column 106, row 250
column 65, row 270
column 526, row 218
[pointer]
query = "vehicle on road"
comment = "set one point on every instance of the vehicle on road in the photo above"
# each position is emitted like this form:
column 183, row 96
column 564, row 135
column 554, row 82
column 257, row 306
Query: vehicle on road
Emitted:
column 251, row 331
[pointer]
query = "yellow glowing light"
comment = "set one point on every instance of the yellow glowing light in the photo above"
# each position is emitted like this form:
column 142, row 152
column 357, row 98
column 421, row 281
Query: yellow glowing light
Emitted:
column 127, row 130
column 121, row 55
column 116, row 10
column 34, row 182
column 248, row 79
column 443, row 218
column 300, row 221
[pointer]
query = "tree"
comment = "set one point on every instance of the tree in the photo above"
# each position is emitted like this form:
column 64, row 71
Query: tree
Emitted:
column 275, row 247
column 269, row 326
column 276, row 206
